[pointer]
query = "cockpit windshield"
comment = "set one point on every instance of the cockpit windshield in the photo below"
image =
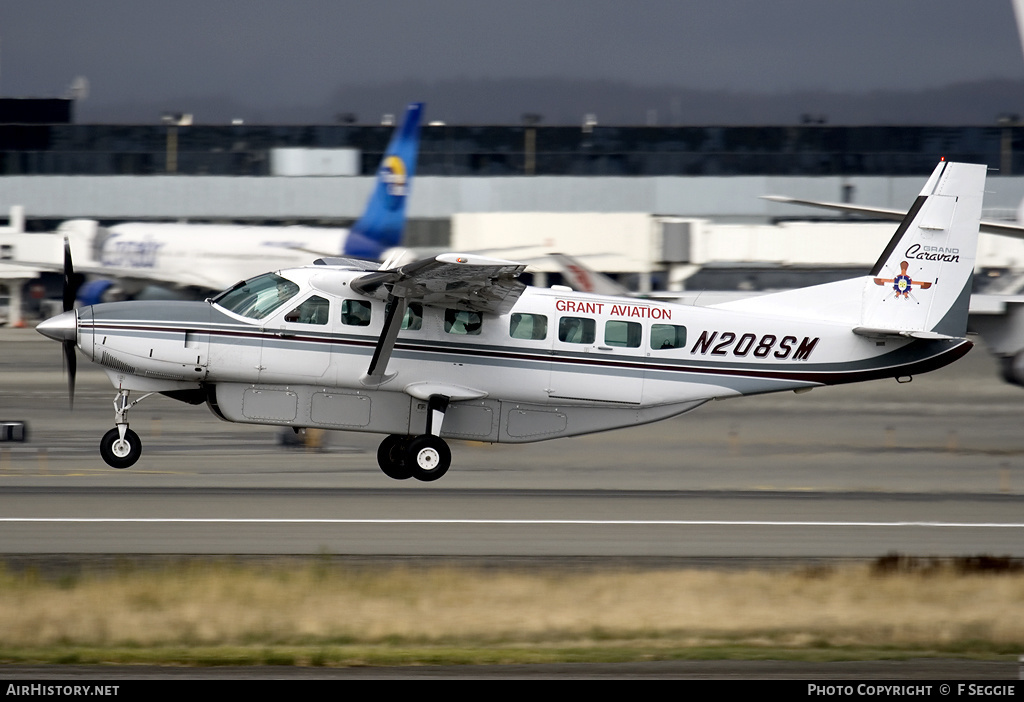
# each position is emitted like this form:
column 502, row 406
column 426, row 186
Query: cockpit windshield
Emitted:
column 257, row 297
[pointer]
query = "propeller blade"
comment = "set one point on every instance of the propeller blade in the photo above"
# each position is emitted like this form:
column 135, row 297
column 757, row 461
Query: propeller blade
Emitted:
column 71, row 362
column 71, row 284
column 72, row 281
column 70, row 289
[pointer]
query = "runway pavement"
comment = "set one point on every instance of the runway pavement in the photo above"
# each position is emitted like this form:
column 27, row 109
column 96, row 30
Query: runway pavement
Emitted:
column 933, row 467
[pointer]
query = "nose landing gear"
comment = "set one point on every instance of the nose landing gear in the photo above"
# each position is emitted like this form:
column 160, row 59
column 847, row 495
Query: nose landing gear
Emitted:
column 120, row 451
column 121, row 447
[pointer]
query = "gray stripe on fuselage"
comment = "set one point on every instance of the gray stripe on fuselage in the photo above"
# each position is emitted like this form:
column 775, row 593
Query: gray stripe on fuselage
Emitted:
column 503, row 356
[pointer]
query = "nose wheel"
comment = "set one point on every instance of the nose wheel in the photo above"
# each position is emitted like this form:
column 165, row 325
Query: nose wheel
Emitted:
column 121, row 447
column 118, row 451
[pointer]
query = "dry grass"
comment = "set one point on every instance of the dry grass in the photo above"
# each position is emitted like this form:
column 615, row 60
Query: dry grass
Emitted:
column 210, row 604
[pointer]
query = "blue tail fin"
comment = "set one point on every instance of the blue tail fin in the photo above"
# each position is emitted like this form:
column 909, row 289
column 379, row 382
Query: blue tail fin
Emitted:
column 380, row 227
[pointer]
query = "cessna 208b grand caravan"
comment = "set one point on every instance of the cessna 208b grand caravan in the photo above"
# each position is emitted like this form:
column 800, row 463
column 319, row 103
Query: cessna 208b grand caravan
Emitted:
column 456, row 347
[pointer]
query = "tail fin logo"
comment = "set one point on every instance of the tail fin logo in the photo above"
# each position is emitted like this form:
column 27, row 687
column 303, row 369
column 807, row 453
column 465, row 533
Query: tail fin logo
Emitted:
column 903, row 284
column 394, row 175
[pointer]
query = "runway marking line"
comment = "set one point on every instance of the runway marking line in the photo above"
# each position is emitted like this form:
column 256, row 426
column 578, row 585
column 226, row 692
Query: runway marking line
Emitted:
column 519, row 522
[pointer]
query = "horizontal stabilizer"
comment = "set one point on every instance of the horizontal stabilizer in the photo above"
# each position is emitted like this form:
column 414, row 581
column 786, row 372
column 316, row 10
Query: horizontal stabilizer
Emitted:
column 901, row 334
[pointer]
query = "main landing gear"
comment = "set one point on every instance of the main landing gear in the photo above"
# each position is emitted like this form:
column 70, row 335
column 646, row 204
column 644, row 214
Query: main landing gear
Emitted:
column 121, row 447
column 425, row 457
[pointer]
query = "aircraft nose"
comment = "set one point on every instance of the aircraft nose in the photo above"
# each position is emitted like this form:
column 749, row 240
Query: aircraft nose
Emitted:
column 63, row 327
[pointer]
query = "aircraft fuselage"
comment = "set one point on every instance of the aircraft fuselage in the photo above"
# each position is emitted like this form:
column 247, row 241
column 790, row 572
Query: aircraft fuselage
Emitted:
column 560, row 363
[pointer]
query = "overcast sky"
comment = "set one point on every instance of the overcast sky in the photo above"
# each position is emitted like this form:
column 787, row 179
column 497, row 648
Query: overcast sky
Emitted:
column 266, row 52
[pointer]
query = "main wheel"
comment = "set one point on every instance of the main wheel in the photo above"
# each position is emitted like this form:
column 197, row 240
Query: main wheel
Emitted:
column 118, row 453
column 428, row 457
column 391, row 457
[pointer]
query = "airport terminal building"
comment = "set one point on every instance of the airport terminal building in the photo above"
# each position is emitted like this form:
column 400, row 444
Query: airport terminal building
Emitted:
column 678, row 184
column 322, row 173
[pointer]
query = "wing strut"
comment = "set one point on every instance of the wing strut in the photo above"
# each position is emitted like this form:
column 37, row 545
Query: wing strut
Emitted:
column 386, row 343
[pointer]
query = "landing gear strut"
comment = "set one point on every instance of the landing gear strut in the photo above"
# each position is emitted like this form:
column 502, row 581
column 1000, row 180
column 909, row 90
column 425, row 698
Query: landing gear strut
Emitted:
column 425, row 457
column 121, row 447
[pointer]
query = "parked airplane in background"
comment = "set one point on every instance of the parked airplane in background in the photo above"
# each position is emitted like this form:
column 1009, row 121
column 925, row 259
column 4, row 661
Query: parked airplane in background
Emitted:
column 213, row 256
column 583, row 278
column 456, row 346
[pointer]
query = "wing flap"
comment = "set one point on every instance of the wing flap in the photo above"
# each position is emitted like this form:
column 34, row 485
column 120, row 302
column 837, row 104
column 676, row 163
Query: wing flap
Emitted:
column 461, row 281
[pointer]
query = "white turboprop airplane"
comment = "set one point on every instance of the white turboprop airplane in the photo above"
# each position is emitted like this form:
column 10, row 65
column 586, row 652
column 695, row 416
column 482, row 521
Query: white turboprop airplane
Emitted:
column 457, row 347
column 213, row 256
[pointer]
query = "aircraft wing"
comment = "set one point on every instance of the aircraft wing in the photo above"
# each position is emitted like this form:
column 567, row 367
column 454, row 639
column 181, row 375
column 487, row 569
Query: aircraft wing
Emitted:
column 1011, row 229
column 461, row 281
column 182, row 279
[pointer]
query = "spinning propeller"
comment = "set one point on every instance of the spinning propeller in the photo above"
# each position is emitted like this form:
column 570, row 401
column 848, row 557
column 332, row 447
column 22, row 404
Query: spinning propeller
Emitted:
column 71, row 285
column 64, row 327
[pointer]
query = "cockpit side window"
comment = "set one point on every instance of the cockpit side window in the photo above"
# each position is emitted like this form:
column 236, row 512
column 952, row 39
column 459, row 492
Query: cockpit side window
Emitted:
column 258, row 297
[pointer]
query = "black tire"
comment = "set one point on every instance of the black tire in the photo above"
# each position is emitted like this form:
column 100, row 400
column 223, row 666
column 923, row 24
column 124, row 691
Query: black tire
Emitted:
column 391, row 457
column 120, row 456
column 428, row 457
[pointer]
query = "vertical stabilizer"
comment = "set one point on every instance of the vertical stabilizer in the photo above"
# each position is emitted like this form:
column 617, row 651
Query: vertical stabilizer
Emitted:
column 922, row 281
column 380, row 227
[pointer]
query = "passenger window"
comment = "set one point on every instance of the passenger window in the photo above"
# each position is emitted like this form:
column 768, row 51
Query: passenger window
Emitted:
column 576, row 330
column 462, row 322
column 528, row 326
column 624, row 334
column 413, row 320
column 667, row 336
column 315, row 310
column 355, row 313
